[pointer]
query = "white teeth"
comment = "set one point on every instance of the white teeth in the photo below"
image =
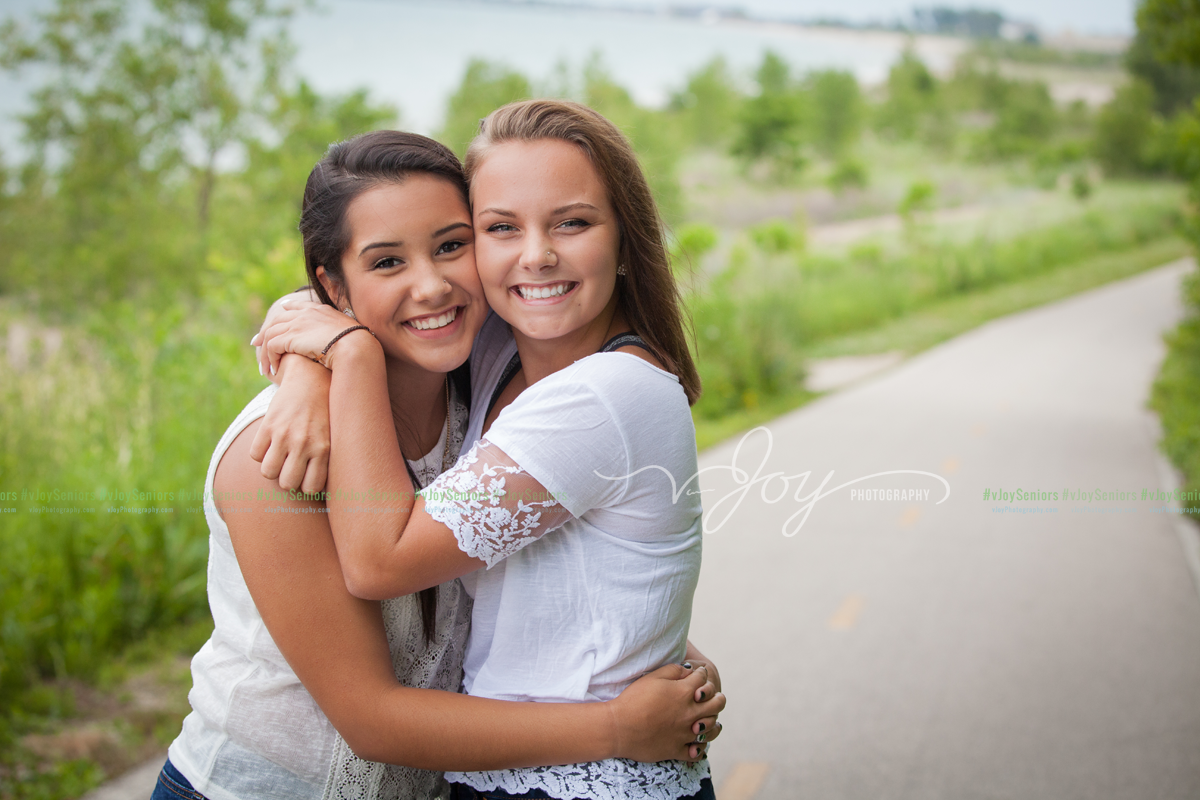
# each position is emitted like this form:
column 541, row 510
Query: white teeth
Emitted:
column 541, row 292
column 431, row 323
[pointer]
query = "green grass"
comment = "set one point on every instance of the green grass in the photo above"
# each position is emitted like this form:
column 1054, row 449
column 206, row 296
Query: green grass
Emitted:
column 946, row 319
column 710, row 432
column 1176, row 398
column 131, row 711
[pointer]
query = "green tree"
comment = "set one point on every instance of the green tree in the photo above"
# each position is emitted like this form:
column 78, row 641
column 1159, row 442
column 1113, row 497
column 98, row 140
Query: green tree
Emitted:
column 1124, row 128
column 128, row 134
column 1175, row 85
column 654, row 135
column 485, row 87
column 774, row 125
column 838, row 108
column 1026, row 118
column 912, row 95
column 1173, row 30
column 708, row 104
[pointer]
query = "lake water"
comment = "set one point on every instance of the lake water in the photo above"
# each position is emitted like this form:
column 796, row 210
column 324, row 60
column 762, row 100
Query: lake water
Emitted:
column 413, row 54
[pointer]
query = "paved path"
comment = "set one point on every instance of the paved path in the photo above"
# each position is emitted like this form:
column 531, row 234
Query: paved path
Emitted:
column 906, row 649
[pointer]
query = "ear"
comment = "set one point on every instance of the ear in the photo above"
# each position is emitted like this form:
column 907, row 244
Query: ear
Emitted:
column 332, row 288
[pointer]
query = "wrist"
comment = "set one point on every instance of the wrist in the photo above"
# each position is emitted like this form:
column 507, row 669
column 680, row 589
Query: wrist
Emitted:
column 355, row 346
column 611, row 737
column 299, row 368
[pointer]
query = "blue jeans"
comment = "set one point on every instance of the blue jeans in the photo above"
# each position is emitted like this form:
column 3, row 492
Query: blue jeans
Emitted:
column 173, row 786
column 460, row 791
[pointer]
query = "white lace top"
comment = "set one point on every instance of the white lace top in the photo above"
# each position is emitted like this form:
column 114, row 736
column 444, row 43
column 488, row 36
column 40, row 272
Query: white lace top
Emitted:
column 589, row 581
column 254, row 731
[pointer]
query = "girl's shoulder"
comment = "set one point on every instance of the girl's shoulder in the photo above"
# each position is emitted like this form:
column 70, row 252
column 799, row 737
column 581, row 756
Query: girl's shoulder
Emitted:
column 614, row 375
column 620, row 386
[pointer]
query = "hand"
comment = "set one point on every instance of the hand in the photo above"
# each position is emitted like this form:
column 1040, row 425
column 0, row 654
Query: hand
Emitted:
column 303, row 328
column 708, row 728
column 656, row 717
column 259, row 354
column 292, row 442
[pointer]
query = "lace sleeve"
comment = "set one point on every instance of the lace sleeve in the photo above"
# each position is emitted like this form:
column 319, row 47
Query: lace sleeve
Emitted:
column 492, row 505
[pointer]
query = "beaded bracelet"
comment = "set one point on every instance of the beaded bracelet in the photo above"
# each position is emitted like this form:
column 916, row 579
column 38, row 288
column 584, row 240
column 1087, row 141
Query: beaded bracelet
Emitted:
column 325, row 361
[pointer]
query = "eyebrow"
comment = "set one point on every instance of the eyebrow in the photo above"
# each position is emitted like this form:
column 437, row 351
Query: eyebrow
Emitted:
column 451, row 227
column 377, row 245
column 447, row 229
column 560, row 210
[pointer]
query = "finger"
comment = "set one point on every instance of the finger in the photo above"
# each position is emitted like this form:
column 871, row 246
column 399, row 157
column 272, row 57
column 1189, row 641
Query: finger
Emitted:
column 262, row 441
column 272, row 461
column 696, row 751
column 695, row 678
column 296, row 303
column 704, row 692
column 276, row 349
column 672, row 672
column 315, row 474
column 292, row 474
column 706, row 727
column 711, row 707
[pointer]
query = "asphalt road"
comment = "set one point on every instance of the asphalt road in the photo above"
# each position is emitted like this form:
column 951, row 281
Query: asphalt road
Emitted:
column 902, row 648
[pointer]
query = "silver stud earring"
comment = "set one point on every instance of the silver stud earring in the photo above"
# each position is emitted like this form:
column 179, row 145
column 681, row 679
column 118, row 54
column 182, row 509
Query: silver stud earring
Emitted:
column 621, row 269
column 349, row 312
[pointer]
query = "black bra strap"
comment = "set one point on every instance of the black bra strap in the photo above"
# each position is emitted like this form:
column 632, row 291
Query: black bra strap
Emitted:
column 626, row 339
column 506, row 377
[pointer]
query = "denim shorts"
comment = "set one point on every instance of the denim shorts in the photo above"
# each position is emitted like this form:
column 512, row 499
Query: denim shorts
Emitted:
column 173, row 786
column 460, row 791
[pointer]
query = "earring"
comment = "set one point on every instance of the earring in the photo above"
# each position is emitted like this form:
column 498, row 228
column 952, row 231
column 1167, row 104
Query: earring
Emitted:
column 349, row 312
column 621, row 268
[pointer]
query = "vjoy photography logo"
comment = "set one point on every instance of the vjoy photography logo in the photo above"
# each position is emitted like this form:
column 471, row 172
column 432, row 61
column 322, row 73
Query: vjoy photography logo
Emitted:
column 773, row 487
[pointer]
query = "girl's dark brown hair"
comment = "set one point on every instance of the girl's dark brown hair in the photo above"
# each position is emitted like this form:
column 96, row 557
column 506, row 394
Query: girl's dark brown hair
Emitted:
column 348, row 169
column 647, row 295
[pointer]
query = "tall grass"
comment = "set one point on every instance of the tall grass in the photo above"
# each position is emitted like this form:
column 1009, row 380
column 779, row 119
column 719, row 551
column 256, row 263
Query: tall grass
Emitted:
column 124, row 414
column 1176, row 398
column 755, row 320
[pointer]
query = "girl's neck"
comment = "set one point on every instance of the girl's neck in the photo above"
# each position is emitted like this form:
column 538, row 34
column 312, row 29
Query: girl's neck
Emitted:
column 542, row 357
column 418, row 406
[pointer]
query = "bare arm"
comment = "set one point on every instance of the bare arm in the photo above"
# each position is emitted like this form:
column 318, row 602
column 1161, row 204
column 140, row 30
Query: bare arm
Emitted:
column 336, row 645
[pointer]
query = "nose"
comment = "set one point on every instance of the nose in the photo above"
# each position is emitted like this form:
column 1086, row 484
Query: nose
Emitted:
column 537, row 253
column 428, row 283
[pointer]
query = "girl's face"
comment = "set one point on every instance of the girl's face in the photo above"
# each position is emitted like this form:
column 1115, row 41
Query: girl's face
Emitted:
column 410, row 271
column 546, row 237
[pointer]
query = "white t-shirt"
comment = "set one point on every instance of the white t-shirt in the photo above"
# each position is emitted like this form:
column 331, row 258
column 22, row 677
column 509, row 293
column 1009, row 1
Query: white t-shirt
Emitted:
column 576, row 613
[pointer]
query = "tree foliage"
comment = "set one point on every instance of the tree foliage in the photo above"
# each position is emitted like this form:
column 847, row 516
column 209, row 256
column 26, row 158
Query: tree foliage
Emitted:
column 838, row 111
column 774, row 124
column 485, row 87
column 128, row 134
column 708, row 105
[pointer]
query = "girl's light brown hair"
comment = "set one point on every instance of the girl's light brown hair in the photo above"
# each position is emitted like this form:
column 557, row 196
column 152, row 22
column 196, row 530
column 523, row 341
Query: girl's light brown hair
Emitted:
column 647, row 295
